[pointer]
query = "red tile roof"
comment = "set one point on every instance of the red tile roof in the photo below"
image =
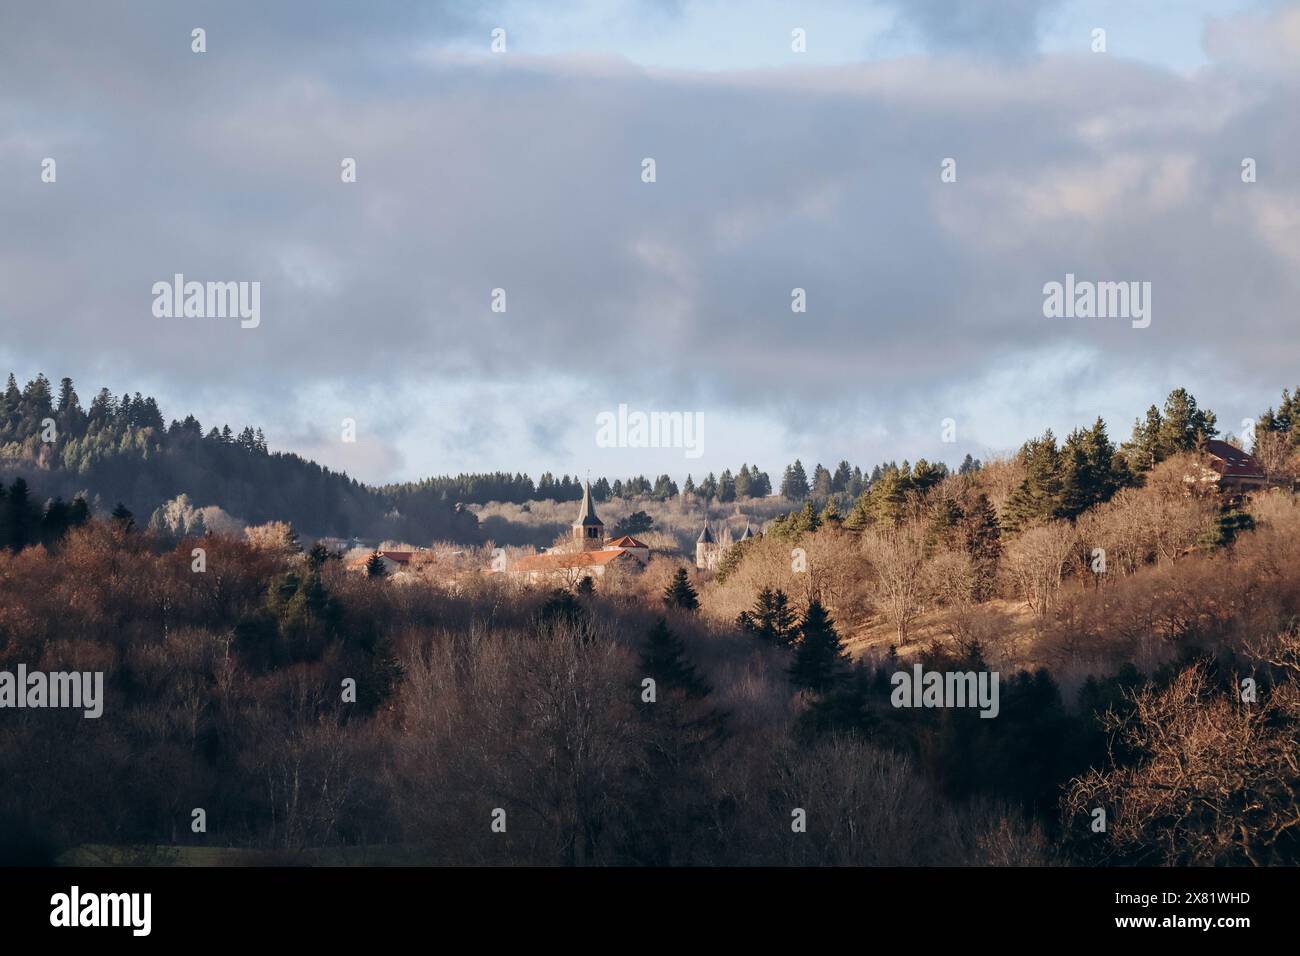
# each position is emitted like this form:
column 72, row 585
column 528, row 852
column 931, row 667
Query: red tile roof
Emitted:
column 1231, row 462
column 560, row 562
column 627, row 541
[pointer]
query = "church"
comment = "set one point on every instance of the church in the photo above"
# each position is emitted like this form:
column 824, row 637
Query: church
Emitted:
column 589, row 556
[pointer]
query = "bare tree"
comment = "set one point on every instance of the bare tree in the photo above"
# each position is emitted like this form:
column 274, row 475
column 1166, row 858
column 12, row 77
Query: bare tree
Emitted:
column 1215, row 782
column 897, row 560
column 1036, row 560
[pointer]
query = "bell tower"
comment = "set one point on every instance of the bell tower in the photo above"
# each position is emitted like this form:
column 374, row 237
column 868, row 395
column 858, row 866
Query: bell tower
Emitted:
column 588, row 530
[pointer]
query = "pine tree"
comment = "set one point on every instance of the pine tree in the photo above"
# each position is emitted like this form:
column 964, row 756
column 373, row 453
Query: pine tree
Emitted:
column 885, row 502
column 680, row 593
column 842, row 478
column 794, row 486
column 664, row 658
column 375, row 567
column 124, row 518
column 925, row 475
column 66, row 395
column 1091, row 471
column 830, row 515
column 79, row 513
column 983, row 542
column 22, row 517
column 1038, row 497
column 771, row 619
column 819, row 657
column 1144, row 449
column 726, row 486
column 821, row 483
column 744, row 485
column 944, row 525
column 1185, row 425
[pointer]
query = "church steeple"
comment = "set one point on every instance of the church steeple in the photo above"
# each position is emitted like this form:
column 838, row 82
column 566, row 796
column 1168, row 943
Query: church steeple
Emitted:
column 588, row 529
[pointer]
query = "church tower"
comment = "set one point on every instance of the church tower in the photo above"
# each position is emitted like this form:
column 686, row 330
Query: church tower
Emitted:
column 707, row 549
column 588, row 530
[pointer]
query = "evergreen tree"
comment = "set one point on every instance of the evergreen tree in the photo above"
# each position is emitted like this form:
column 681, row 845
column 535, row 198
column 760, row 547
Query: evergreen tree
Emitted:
column 680, row 593
column 1185, row 425
column 22, row 517
column 561, row 607
column 726, row 486
column 772, row 619
column 1091, row 470
column 819, row 657
column 638, row 522
column 664, row 658
column 664, row 488
column 66, row 395
column 885, row 502
column 925, row 475
column 983, row 542
column 842, row 479
column 794, row 486
column 804, row 521
column 944, row 525
column 375, row 567
column 79, row 513
column 830, row 515
column 1038, row 497
column 124, row 518
column 821, row 483
column 55, row 522
column 1144, row 450
column 744, row 483
column 318, row 555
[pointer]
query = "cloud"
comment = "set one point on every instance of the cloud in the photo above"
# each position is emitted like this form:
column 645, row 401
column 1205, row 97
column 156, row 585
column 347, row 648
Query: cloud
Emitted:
column 1000, row 27
column 478, row 172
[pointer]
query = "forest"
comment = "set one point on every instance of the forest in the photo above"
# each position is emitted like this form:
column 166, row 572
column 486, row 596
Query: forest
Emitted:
column 314, row 714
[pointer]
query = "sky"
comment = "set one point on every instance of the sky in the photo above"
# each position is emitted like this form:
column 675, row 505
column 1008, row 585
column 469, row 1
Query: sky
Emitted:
column 775, row 170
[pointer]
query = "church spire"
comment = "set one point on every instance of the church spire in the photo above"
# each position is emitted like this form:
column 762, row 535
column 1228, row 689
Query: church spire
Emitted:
column 588, row 530
column 587, row 512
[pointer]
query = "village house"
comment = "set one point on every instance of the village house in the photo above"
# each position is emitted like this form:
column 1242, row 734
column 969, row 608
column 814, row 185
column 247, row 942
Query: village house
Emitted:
column 1238, row 471
column 393, row 561
column 1228, row 470
column 590, row 556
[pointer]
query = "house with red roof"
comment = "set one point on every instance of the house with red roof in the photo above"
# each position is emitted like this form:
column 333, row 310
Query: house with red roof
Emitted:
column 590, row 555
column 1238, row 471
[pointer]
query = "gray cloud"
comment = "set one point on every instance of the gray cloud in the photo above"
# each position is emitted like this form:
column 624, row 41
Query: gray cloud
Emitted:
column 999, row 27
column 477, row 172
